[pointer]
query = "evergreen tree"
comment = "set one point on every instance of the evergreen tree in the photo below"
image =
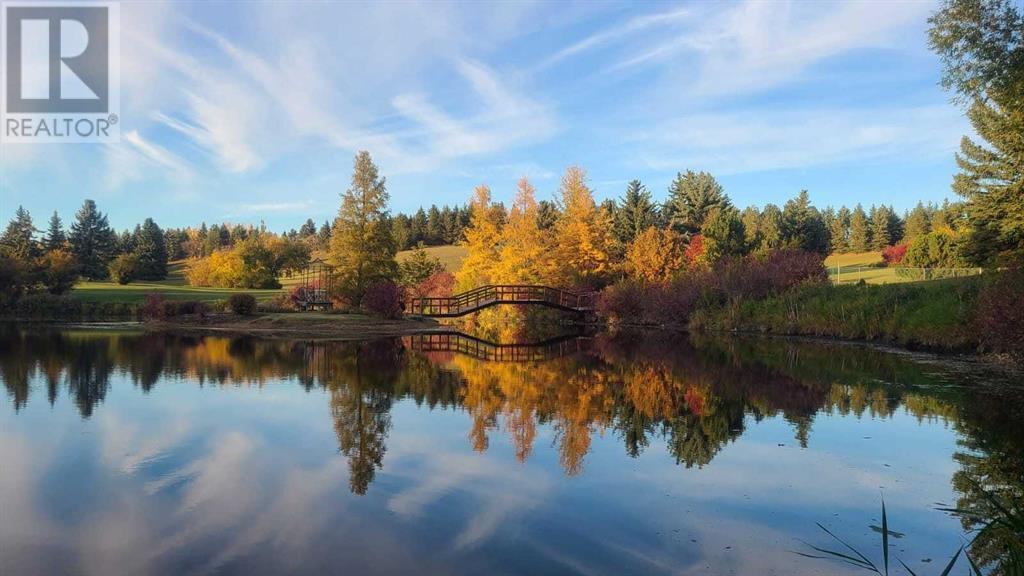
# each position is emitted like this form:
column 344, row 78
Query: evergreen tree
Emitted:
column 55, row 238
column 418, row 228
column 324, row 235
column 400, row 231
column 917, row 223
column 880, row 238
column 435, row 226
column 803, row 225
column 860, row 230
column 92, row 241
column 895, row 225
column 362, row 248
column 692, row 196
column 980, row 43
column 308, row 229
column 151, row 252
column 772, row 228
column 18, row 240
column 839, row 234
column 547, row 214
column 636, row 213
column 723, row 234
column 751, row 219
column 419, row 266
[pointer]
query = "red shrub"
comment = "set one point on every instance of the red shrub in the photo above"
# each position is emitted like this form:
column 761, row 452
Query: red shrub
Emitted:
column 384, row 299
column 999, row 316
column 695, row 250
column 437, row 285
column 623, row 301
column 894, row 255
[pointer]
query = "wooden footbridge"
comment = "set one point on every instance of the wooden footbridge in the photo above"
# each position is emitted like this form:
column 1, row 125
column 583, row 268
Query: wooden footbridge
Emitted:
column 487, row 296
column 460, row 343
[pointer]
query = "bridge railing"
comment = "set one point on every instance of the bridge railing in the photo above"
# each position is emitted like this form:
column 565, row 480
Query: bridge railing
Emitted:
column 492, row 294
column 460, row 343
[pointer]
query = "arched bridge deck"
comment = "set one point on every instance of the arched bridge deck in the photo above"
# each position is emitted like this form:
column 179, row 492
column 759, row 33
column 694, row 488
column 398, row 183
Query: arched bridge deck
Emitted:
column 460, row 343
column 487, row 296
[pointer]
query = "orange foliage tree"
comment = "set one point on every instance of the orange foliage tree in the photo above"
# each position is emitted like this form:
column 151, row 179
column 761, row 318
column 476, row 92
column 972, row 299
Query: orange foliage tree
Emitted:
column 583, row 234
column 655, row 255
column 482, row 241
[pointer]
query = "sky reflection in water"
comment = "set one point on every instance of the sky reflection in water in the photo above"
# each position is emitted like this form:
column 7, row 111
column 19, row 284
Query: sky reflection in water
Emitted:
column 153, row 454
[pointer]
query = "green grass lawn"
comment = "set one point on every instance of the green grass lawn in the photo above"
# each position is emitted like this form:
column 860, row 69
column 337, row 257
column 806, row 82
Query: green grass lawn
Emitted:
column 450, row 256
column 174, row 287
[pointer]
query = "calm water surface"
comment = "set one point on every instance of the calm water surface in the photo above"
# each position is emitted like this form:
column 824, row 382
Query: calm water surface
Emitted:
column 132, row 453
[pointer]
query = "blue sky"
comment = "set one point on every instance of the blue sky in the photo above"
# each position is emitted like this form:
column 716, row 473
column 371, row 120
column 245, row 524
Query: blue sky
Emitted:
column 248, row 112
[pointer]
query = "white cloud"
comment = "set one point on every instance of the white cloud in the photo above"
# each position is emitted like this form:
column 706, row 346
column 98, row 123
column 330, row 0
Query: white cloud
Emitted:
column 757, row 140
column 609, row 35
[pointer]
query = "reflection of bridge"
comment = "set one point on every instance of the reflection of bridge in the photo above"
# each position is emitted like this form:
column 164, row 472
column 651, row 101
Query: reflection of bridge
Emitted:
column 487, row 296
column 492, row 352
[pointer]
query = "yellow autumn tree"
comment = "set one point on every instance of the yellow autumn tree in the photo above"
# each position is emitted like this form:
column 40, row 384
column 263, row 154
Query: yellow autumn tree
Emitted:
column 524, row 244
column 655, row 255
column 482, row 241
column 583, row 233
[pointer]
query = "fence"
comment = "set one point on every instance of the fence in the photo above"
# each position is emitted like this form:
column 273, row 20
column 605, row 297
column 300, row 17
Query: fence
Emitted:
column 894, row 274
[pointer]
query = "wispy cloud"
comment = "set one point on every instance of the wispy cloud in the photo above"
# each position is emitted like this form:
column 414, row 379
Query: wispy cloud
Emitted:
column 738, row 142
column 609, row 35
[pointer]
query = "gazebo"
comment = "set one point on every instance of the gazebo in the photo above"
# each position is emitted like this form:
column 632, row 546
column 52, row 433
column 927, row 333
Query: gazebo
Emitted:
column 314, row 293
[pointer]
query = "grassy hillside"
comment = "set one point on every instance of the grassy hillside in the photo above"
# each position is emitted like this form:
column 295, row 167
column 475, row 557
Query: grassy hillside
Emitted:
column 450, row 256
column 174, row 287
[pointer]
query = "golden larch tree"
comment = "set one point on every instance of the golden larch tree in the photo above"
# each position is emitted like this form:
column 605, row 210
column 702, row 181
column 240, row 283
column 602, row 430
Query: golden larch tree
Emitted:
column 524, row 244
column 482, row 241
column 655, row 255
column 583, row 233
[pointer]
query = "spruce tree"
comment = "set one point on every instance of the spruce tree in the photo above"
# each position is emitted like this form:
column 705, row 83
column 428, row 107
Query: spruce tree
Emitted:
column 692, row 196
column 880, row 237
column 636, row 213
column 860, row 230
column 92, row 241
column 55, row 237
column 916, row 223
column 803, row 226
column 362, row 248
column 982, row 50
column 18, row 240
column 151, row 252
column 839, row 234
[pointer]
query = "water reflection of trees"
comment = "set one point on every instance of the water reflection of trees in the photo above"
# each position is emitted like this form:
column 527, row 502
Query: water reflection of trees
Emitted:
column 693, row 397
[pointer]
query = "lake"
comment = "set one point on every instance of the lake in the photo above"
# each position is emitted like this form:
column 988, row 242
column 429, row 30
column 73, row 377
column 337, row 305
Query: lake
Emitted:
column 126, row 452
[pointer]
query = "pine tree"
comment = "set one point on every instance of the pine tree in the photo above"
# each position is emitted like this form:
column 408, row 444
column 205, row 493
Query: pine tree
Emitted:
column 435, row 227
column 860, row 230
column 980, row 43
column 692, row 196
column 18, row 240
column 636, row 213
column 895, row 225
column 917, row 223
column 583, row 233
column 151, row 252
column 880, row 238
column 839, row 234
column 308, row 228
column 92, row 241
column 723, row 234
column 55, row 238
column 803, row 225
column 482, row 241
column 324, row 235
column 547, row 214
column 362, row 248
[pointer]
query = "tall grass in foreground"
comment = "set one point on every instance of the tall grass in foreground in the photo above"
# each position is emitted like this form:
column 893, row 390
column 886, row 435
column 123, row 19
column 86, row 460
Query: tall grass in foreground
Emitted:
column 1007, row 518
